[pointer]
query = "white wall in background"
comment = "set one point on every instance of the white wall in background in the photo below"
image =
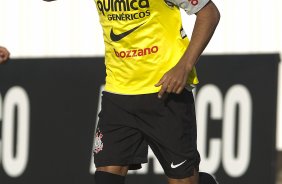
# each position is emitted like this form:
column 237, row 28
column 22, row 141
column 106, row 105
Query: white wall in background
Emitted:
column 34, row 28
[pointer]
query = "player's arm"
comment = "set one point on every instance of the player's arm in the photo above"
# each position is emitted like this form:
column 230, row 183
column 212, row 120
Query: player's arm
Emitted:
column 206, row 22
column 4, row 55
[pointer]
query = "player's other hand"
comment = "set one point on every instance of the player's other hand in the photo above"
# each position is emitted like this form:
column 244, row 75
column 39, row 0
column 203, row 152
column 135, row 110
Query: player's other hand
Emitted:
column 174, row 80
column 4, row 55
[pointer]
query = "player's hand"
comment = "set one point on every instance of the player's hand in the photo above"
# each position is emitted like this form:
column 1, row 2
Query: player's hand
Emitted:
column 174, row 80
column 4, row 55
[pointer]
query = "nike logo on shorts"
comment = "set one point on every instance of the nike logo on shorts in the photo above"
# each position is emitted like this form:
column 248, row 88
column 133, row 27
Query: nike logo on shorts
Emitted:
column 177, row 165
column 117, row 37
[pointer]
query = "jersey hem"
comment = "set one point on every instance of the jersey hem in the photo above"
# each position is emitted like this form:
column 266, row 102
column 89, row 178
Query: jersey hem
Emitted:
column 127, row 91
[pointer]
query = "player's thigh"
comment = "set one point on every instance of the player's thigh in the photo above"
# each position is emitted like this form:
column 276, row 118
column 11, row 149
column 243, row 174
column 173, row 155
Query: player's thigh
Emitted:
column 170, row 129
column 117, row 143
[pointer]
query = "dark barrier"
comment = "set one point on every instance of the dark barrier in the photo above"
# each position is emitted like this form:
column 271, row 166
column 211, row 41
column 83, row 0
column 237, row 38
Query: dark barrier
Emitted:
column 48, row 110
column 238, row 95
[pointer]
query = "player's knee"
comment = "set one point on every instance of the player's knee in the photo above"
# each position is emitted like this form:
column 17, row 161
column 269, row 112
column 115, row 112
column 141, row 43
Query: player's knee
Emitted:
column 182, row 181
column 103, row 177
column 118, row 170
column 188, row 180
column 205, row 178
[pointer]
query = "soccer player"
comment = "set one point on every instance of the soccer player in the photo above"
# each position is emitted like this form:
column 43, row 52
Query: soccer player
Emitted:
column 150, row 67
column 4, row 55
column 147, row 101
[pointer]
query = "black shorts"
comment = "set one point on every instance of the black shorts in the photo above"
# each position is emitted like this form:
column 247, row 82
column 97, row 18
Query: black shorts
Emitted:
column 129, row 123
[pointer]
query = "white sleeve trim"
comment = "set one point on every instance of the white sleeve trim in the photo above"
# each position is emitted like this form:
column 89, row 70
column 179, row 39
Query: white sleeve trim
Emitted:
column 190, row 6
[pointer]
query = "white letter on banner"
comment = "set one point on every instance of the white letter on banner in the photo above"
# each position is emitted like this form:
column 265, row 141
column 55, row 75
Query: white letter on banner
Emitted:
column 279, row 111
column 15, row 165
column 237, row 96
column 208, row 95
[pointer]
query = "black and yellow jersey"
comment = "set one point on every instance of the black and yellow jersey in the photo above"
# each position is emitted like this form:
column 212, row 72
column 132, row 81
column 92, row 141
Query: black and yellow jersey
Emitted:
column 143, row 40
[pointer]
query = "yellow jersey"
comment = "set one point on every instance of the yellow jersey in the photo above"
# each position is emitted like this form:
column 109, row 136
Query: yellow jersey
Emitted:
column 143, row 40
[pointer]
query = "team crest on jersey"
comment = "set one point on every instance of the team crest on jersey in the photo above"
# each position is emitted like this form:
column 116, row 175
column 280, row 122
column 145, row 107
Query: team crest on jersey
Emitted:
column 98, row 144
